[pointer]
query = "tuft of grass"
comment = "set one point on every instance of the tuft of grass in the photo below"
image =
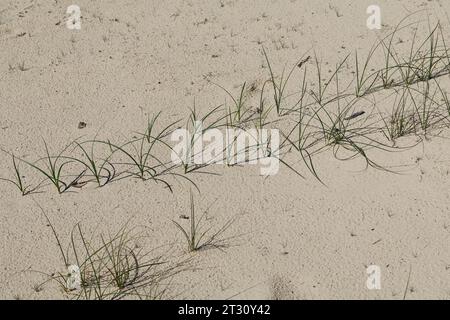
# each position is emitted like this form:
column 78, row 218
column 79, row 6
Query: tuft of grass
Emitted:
column 262, row 111
column 342, row 134
column 427, row 110
column 445, row 98
column 18, row 180
column 279, row 86
column 197, row 125
column 38, row 288
column 141, row 159
column 53, row 168
column 197, row 238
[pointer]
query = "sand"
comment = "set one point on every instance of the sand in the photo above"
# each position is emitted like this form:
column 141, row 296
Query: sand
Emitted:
column 291, row 238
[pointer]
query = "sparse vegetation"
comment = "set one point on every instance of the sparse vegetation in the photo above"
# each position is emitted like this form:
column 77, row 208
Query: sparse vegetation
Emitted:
column 197, row 237
column 311, row 120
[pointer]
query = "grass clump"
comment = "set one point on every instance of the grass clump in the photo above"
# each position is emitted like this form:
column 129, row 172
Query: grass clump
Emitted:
column 102, row 171
column 112, row 267
column 18, row 180
column 401, row 120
